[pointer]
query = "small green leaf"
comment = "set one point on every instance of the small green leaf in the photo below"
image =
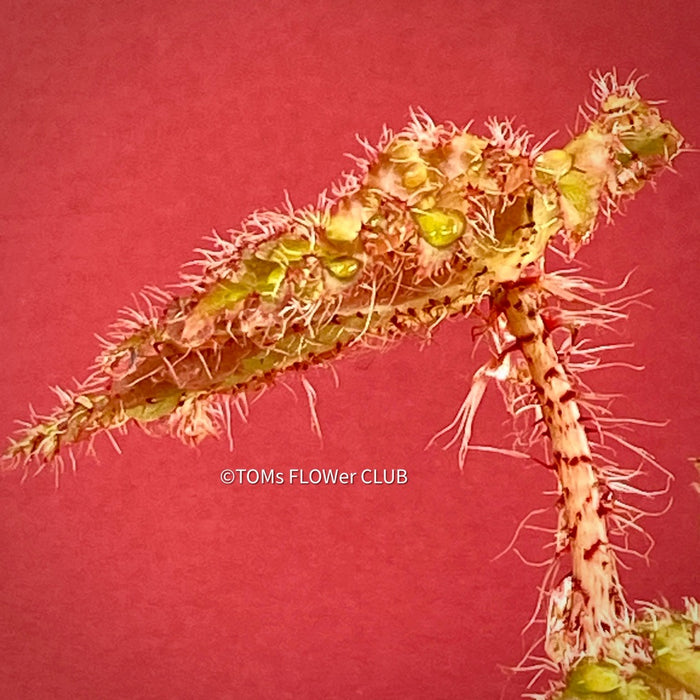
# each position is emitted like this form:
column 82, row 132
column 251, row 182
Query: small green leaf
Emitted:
column 265, row 276
column 155, row 407
column 290, row 250
column 222, row 295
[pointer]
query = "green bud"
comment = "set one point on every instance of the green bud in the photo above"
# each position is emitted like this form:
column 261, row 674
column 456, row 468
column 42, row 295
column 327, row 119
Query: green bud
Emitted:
column 637, row 689
column 550, row 166
column 590, row 676
column 343, row 267
column 440, row 227
column 676, row 655
column 579, row 200
column 414, row 175
column 649, row 143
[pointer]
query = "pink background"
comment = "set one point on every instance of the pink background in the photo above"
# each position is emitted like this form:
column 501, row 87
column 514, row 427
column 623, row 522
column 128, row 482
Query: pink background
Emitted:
column 126, row 134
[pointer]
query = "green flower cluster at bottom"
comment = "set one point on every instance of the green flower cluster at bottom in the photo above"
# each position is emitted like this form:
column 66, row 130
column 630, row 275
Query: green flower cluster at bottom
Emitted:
column 673, row 674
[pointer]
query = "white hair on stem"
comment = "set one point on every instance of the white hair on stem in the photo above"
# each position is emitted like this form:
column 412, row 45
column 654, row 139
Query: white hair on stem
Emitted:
column 578, row 355
column 312, row 398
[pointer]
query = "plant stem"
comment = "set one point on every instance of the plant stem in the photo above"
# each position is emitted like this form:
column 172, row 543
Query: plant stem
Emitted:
column 596, row 609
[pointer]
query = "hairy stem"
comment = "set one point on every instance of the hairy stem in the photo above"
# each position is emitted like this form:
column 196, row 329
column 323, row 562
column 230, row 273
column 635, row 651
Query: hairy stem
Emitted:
column 596, row 608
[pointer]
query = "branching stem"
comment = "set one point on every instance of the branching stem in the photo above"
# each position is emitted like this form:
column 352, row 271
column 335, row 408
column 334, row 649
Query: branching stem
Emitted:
column 595, row 609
